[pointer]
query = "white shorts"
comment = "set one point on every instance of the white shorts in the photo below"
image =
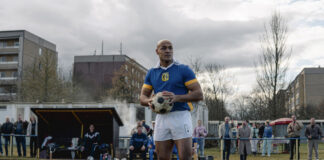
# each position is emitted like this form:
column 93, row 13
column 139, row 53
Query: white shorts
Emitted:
column 174, row 125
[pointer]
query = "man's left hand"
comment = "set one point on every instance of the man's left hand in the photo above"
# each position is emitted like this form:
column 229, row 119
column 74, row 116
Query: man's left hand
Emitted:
column 143, row 148
column 171, row 96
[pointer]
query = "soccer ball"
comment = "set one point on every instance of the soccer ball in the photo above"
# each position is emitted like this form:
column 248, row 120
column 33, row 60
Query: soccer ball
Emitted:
column 160, row 104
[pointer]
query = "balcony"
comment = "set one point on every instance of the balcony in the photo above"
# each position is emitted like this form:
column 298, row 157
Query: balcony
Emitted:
column 8, row 65
column 7, row 96
column 8, row 80
column 13, row 49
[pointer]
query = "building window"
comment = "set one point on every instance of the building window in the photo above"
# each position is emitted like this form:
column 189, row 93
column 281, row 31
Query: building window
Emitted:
column 15, row 58
column 2, row 74
column 40, row 51
column 16, row 43
column 15, row 74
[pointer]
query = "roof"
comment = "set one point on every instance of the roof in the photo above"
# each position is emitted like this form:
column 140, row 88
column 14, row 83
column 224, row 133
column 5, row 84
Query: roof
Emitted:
column 81, row 115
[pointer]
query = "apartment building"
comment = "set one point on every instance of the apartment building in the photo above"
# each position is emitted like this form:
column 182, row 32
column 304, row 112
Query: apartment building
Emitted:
column 95, row 73
column 18, row 49
column 306, row 90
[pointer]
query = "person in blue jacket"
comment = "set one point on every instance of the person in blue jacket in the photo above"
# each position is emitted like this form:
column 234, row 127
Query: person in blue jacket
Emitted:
column 267, row 135
column 150, row 144
column 138, row 144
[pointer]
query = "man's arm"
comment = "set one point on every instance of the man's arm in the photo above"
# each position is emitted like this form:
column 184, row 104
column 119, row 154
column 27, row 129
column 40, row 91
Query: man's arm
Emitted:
column 194, row 95
column 145, row 97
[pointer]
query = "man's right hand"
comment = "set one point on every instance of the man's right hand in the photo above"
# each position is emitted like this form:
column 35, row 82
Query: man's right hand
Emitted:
column 131, row 148
column 310, row 137
column 82, row 148
column 150, row 146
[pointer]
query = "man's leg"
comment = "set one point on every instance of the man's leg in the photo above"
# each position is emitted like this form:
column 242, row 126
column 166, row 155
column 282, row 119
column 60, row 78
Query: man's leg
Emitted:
column 264, row 145
column 316, row 149
column 131, row 154
column 310, row 149
column 7, row 141
column 1, row 151
column 18, row 144
column 202, row 147
column 228, row 148
column 269, row 143
column 298, row 148
column 151, row 154
column 23, row 142
column 164, row 149
column 184, row 148
column 143, row 154
column 292, row 147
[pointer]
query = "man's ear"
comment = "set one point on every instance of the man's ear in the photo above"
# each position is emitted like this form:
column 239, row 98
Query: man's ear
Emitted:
column 156, row 51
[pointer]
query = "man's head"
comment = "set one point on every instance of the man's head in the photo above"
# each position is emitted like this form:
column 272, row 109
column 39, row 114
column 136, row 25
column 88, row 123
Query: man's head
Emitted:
column 227, row 119
column 139, row 129
column 164, row 50
column 293, row 117
column 254, row 125
column 7, row 119
column 91, row 128
column 199, row 122
column 19, row 118
column 245, row 122
column 139, row 123
column 32, row 118
column 267, row 123
column 153, row 124
column 312, row 121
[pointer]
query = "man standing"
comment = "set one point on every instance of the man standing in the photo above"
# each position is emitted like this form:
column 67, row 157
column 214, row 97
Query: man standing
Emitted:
column 254, row 142
column 313, row 133
column 178, row 83
column 91, row 141
column 200, row 133
column 7, row 129
column 225, row 133
column 244, row 135
column 20, row 129
column 138, row 144
column 293, row 130
column 32, row 131
column 151, row 145
column 267, row 142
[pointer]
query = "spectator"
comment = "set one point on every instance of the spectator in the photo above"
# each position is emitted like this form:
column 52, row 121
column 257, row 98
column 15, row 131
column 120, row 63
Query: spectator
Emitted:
column 261, row 130
column 7, row 129
column 134, row 130
column 267, row 142
column 224, row 133
column 293, row 130
column 244, row 133
column 1, row 151
column 200, row 133
column 313, row 133
column 32, row 130
column 91, row 141
column 254, row 142
column 138, row 143
column 20, row 129
column 151, row 145
column 147, row 128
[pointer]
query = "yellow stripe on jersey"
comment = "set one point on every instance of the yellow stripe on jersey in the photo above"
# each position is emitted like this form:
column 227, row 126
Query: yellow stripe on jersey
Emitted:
column 147, row 86
column 190, row 106
column 191, row 82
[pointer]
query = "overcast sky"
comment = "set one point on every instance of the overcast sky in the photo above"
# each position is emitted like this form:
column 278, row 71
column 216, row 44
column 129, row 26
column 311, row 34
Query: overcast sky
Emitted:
column 225, row 32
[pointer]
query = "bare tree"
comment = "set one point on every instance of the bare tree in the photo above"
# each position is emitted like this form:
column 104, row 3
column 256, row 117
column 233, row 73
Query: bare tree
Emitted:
column 195, row 64
column 217, row 86
column 40, row 80
column 273, row 62
column 127, row 83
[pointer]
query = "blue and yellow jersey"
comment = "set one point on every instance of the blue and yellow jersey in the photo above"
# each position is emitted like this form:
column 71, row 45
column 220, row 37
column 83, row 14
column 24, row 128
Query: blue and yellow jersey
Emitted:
column 174, row 78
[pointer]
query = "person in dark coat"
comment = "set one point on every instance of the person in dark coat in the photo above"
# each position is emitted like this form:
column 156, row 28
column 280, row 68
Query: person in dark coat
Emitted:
column 20, row 130
column 1, row 151
column 314, row 134
column 138, row 144
column 7, row 129
column 244, row 144
column 91, row 141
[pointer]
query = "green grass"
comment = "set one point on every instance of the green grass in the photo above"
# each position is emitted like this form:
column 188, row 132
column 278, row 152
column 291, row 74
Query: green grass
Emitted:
column 215, row 152
column 275, row 156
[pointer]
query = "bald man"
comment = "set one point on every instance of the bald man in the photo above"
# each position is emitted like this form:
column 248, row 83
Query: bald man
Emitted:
column 178, row 83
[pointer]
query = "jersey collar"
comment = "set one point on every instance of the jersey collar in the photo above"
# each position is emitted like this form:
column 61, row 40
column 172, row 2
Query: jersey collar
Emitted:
column 158, row 65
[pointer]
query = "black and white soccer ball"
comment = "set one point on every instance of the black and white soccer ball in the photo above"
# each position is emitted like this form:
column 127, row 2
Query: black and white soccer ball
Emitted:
column 160, row 104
